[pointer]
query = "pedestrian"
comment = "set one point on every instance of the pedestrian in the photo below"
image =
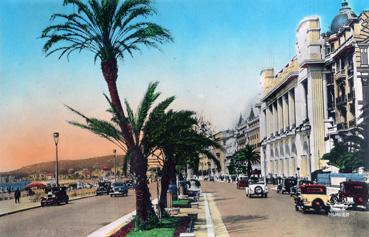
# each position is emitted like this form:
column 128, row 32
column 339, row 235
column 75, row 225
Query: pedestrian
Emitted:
column 17, row 195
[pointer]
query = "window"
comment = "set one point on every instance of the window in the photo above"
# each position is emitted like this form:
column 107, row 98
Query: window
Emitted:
column 364, row 56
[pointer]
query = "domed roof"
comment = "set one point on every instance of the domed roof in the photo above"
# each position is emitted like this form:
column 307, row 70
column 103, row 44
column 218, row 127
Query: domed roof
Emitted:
column 343, row 18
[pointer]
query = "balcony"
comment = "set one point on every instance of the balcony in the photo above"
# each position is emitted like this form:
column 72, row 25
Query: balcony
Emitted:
column 341, row 74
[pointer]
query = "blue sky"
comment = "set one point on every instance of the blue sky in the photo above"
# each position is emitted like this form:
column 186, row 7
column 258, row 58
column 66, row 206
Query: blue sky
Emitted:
column 212, row 67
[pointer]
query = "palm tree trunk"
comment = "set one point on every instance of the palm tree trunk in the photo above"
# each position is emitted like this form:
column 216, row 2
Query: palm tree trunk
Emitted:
column 249, row 168
column 165, row 181
column 138, row 162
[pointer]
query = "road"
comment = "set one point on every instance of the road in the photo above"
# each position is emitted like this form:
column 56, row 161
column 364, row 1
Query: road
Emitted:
column 275, row 216
column 78, row 218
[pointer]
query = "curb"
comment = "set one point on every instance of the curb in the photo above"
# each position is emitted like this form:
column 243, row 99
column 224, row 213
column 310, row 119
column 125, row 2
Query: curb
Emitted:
column 38, row 206
column 116, row 225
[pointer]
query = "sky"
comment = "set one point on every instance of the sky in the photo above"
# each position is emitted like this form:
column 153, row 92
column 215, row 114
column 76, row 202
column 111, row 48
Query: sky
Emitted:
column 212, row 67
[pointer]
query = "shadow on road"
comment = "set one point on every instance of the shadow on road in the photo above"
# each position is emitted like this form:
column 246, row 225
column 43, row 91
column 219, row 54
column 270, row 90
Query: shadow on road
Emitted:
column 236, row 223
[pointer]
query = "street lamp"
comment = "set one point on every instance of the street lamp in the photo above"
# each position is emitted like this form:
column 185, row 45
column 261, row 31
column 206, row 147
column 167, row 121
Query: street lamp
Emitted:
column 56, row 140
column 115, row 165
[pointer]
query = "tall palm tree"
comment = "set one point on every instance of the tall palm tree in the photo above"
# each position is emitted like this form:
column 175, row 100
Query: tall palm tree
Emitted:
column 249, row 155
column 110, row 29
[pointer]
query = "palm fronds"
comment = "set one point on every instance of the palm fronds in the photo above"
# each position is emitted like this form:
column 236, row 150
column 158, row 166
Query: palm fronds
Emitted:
column 107, row 28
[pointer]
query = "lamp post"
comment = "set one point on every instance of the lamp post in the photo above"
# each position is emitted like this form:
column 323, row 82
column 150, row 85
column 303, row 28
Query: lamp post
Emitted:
column 115, row 165
column 56, row 140
column 308, row 130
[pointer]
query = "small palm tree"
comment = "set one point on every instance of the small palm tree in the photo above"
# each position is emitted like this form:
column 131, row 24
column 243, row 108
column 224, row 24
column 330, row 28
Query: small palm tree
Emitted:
column 249, row 155
column 111, row 30
column 173, row 132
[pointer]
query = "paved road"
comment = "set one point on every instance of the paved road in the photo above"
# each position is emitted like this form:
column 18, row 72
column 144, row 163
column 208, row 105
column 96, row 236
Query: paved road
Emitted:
column 79, row 218
column 276, row 216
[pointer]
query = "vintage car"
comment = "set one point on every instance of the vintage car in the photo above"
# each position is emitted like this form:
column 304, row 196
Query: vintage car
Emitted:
column 352, row 194
column 242, row 182
column 119, row 189
column 130, row 183
column 286, row 185
column 193, row 188
column 295, row 189
column 103, row 188
column 55, row 196
column 312, row 197
column 256, row 188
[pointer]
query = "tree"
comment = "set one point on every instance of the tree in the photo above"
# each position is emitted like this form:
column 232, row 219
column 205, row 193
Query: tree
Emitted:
column 248, row 155
column 139, row 122
column 351, row 151
column 110, row 29
column 174, row 133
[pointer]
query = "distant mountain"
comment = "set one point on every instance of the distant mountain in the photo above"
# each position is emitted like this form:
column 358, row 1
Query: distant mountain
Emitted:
column 106, row 162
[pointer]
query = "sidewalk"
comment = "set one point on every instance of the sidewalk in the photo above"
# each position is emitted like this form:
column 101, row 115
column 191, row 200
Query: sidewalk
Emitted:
column 209, row 222
column 9, row 206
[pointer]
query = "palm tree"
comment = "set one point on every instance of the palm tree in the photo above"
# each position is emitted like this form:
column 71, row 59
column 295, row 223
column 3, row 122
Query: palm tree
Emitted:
column 174, row 133
column 110, row 29
column 139, row 122
column 249, row 155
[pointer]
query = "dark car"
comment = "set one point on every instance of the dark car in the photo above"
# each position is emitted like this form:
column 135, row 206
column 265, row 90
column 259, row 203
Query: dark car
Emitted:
column 352, row 193
column 130, row 183
column 242, row 182
column 103, row 188
column 55, row 196
column 119, row 189
column 294, row 189
column 286, row 185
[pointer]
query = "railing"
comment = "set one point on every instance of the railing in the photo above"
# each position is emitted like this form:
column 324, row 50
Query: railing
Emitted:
column 341, row 73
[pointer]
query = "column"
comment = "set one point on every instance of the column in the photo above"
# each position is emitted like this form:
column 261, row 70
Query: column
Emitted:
column 280, row 114
column 286, row 119
column 291, row 108
column 275, row 116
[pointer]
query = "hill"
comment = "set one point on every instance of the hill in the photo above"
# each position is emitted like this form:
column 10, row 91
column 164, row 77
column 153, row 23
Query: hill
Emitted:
column 65, row 165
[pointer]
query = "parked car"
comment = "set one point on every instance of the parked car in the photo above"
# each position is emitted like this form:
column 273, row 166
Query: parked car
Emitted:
column 286, row 185
column 119, row 189
column 103, row 188
column 312, row 196
column 193, row 187
column 55, row 196
column 242, row 182
column 352, row 194
column 130, row 183
column 256, row 188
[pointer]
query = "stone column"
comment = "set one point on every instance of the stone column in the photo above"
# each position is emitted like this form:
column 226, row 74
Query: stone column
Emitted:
column 286, row 120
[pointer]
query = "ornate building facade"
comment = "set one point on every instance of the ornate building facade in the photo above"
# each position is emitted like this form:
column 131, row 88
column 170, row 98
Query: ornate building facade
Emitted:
column 317, row 96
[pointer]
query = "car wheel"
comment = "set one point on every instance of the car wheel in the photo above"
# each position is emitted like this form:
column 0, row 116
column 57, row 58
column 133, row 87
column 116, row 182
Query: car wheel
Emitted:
column 318, row 206
column 111, row 195
column 258, row 190
column 296, row 208
column 66, row 202
column 265, row 195
column 304, row 209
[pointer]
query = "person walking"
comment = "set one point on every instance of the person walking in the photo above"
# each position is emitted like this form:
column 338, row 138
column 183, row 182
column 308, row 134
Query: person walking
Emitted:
column 17, row 195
